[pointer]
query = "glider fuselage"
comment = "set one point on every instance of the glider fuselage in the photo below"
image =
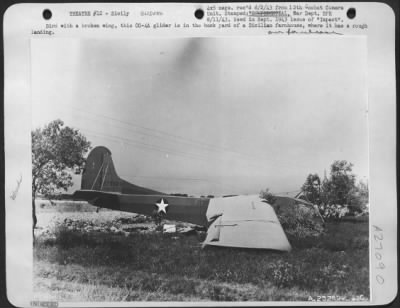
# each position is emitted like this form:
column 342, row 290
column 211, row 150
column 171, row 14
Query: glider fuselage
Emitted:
column 187, row 209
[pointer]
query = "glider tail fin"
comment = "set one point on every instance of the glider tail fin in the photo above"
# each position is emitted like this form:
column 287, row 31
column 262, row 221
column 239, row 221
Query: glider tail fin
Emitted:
column 100, row 175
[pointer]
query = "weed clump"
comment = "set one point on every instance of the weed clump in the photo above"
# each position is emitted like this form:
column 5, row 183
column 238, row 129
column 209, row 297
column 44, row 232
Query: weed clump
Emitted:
column 151, row 284
column 286, row 275
column 66, row 238
column 220, row 293
column 180, row 286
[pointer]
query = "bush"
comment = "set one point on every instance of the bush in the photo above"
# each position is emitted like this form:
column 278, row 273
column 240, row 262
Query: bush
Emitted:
column 131, row 220
column 267, row 196
column 299, row 221
column 334, row 211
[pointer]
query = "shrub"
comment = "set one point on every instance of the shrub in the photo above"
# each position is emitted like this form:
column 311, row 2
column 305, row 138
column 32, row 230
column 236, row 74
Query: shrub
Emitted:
column 333, row 211
column 131, row 220
column 299, row 221
column 268, row 196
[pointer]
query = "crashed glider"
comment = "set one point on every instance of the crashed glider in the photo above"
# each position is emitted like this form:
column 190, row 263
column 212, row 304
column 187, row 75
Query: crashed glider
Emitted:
column 238, row 221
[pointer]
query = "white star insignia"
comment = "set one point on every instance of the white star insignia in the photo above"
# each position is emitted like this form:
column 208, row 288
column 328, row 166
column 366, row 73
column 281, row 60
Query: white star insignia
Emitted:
column 162, row 206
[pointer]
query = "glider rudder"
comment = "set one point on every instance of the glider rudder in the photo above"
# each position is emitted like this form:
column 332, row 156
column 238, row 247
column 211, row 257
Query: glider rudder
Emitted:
column 100, row 175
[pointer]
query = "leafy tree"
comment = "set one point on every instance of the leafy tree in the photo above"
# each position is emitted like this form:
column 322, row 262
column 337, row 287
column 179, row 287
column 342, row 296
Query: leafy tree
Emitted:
column 359, row 198
column 267, row 196
column 363, row 193
column 56, row 149
column 339, row 194
column 312, row 188
column 338, row 189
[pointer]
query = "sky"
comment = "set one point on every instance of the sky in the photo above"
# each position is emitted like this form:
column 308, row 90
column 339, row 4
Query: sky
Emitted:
column 223, row 115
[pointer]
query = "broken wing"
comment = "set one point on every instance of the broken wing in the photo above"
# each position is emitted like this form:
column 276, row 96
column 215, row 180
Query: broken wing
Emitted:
column 246, row 222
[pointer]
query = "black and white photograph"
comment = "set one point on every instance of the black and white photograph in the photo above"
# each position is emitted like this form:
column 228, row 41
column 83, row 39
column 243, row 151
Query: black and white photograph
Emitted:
column 153, row 160
column 217, row 169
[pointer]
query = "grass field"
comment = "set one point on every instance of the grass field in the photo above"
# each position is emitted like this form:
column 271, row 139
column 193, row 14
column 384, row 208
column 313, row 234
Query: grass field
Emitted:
column 71, row 265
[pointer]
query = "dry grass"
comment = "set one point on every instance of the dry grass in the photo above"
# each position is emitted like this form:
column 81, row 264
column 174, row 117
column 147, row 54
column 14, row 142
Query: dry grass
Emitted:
column 104, row 266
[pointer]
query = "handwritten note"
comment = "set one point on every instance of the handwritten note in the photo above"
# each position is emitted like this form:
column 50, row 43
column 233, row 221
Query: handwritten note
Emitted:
column 15, row 191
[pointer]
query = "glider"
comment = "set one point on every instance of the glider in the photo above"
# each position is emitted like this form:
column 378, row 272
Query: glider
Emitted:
column 236, row 221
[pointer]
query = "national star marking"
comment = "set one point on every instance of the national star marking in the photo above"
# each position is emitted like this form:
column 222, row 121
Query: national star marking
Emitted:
column 162, row 206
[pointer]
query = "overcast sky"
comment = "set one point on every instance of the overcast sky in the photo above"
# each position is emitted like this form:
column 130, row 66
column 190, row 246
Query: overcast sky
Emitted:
column 210, row 115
